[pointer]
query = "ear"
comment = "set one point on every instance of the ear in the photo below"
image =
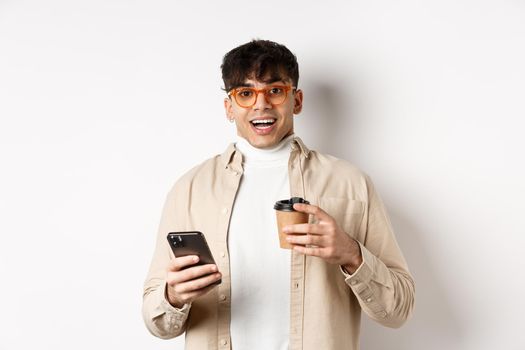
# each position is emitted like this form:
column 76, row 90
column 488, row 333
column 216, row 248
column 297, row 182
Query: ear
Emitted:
column 298, row 102
column 228, row 109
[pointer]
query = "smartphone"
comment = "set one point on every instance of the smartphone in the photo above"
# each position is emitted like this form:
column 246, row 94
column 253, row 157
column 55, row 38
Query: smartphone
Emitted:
column 191, row 243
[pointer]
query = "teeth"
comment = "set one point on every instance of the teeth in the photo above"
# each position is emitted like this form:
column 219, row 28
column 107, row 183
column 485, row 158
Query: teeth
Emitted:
column 263, row 121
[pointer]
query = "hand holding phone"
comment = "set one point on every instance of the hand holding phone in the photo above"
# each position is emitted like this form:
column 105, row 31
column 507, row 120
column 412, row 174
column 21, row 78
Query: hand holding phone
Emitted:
column 193, row 272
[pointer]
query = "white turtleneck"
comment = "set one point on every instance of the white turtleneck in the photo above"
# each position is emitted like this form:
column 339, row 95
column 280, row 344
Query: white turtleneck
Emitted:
column 259, row 268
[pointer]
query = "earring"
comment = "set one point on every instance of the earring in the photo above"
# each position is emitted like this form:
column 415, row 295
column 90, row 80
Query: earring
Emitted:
column 231, row 120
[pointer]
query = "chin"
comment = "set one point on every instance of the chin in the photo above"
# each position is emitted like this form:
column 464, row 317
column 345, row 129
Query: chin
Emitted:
column 258, row 142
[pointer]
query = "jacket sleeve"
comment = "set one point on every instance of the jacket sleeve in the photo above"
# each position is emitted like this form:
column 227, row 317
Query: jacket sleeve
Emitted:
column 382, row 284
column 161, row 318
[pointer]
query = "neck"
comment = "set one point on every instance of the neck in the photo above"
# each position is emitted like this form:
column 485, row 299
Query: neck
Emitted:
column 254, row 154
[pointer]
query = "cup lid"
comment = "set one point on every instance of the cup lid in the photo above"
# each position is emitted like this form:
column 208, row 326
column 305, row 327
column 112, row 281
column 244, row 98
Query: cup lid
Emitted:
column 287, row 204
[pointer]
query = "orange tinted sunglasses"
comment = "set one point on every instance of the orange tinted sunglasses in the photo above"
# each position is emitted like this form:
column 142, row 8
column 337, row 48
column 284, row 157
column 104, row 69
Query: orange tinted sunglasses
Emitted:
column 246, row 97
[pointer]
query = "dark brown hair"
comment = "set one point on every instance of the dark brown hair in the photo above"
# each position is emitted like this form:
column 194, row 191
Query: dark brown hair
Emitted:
column 262, row 60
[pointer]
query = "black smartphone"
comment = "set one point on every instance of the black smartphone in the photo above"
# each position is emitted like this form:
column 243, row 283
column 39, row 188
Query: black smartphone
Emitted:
column 191, row 243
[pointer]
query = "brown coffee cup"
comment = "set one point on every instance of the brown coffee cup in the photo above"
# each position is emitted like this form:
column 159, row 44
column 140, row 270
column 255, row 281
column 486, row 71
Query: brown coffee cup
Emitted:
column 287, row 215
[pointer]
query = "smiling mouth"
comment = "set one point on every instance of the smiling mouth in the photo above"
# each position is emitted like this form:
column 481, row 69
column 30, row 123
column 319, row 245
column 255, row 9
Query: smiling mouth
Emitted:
column 262, row 124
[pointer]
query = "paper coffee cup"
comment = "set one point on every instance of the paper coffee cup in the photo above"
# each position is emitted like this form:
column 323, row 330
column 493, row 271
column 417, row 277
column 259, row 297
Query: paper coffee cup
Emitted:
column 287, row 215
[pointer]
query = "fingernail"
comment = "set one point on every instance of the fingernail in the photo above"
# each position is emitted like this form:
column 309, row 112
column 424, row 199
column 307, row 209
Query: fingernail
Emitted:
column 214, row 268
column 195, row 258
column 289, row 239
column 286, row 229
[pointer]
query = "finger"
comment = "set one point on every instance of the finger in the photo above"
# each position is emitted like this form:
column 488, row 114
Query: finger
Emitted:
column 182, row 262
column 195, row 285
column 312, row 251
column 190, row 273
column 303, row 228
column 314, row 210
column 189, row 297
column 306, row 240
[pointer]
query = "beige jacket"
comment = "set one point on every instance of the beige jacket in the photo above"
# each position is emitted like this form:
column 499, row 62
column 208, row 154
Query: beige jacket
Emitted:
column 325, row 302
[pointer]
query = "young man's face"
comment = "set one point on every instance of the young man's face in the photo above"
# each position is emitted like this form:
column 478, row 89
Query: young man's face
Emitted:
column 278, row 118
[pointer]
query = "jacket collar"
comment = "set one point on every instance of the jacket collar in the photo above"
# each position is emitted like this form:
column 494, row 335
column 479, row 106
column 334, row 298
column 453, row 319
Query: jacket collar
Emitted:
column 297, row 144
column 231, row 157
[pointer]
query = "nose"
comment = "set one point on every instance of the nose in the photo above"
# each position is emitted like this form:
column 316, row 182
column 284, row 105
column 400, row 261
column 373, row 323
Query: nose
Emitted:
column 261, row 101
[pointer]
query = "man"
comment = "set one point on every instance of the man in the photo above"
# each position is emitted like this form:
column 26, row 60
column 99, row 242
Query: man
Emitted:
column 344, row 261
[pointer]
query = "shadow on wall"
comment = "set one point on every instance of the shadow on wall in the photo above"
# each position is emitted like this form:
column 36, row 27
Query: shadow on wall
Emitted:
column 325, row 120
column 434, row 324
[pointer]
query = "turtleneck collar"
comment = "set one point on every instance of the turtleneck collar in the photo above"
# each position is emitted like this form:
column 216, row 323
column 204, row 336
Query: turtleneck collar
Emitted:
column 277, row 154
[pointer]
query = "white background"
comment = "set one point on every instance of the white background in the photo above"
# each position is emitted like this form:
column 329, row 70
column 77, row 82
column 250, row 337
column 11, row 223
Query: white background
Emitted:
column 103, row 104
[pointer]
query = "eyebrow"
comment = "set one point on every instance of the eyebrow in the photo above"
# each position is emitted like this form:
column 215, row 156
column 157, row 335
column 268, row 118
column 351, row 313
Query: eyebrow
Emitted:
column 271, row 81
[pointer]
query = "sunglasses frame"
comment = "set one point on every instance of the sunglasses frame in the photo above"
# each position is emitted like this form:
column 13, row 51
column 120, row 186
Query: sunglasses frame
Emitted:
column 264, row 90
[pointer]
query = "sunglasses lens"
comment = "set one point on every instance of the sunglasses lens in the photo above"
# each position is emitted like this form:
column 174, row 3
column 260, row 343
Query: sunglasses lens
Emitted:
column 245, row 97
column 275, row 95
